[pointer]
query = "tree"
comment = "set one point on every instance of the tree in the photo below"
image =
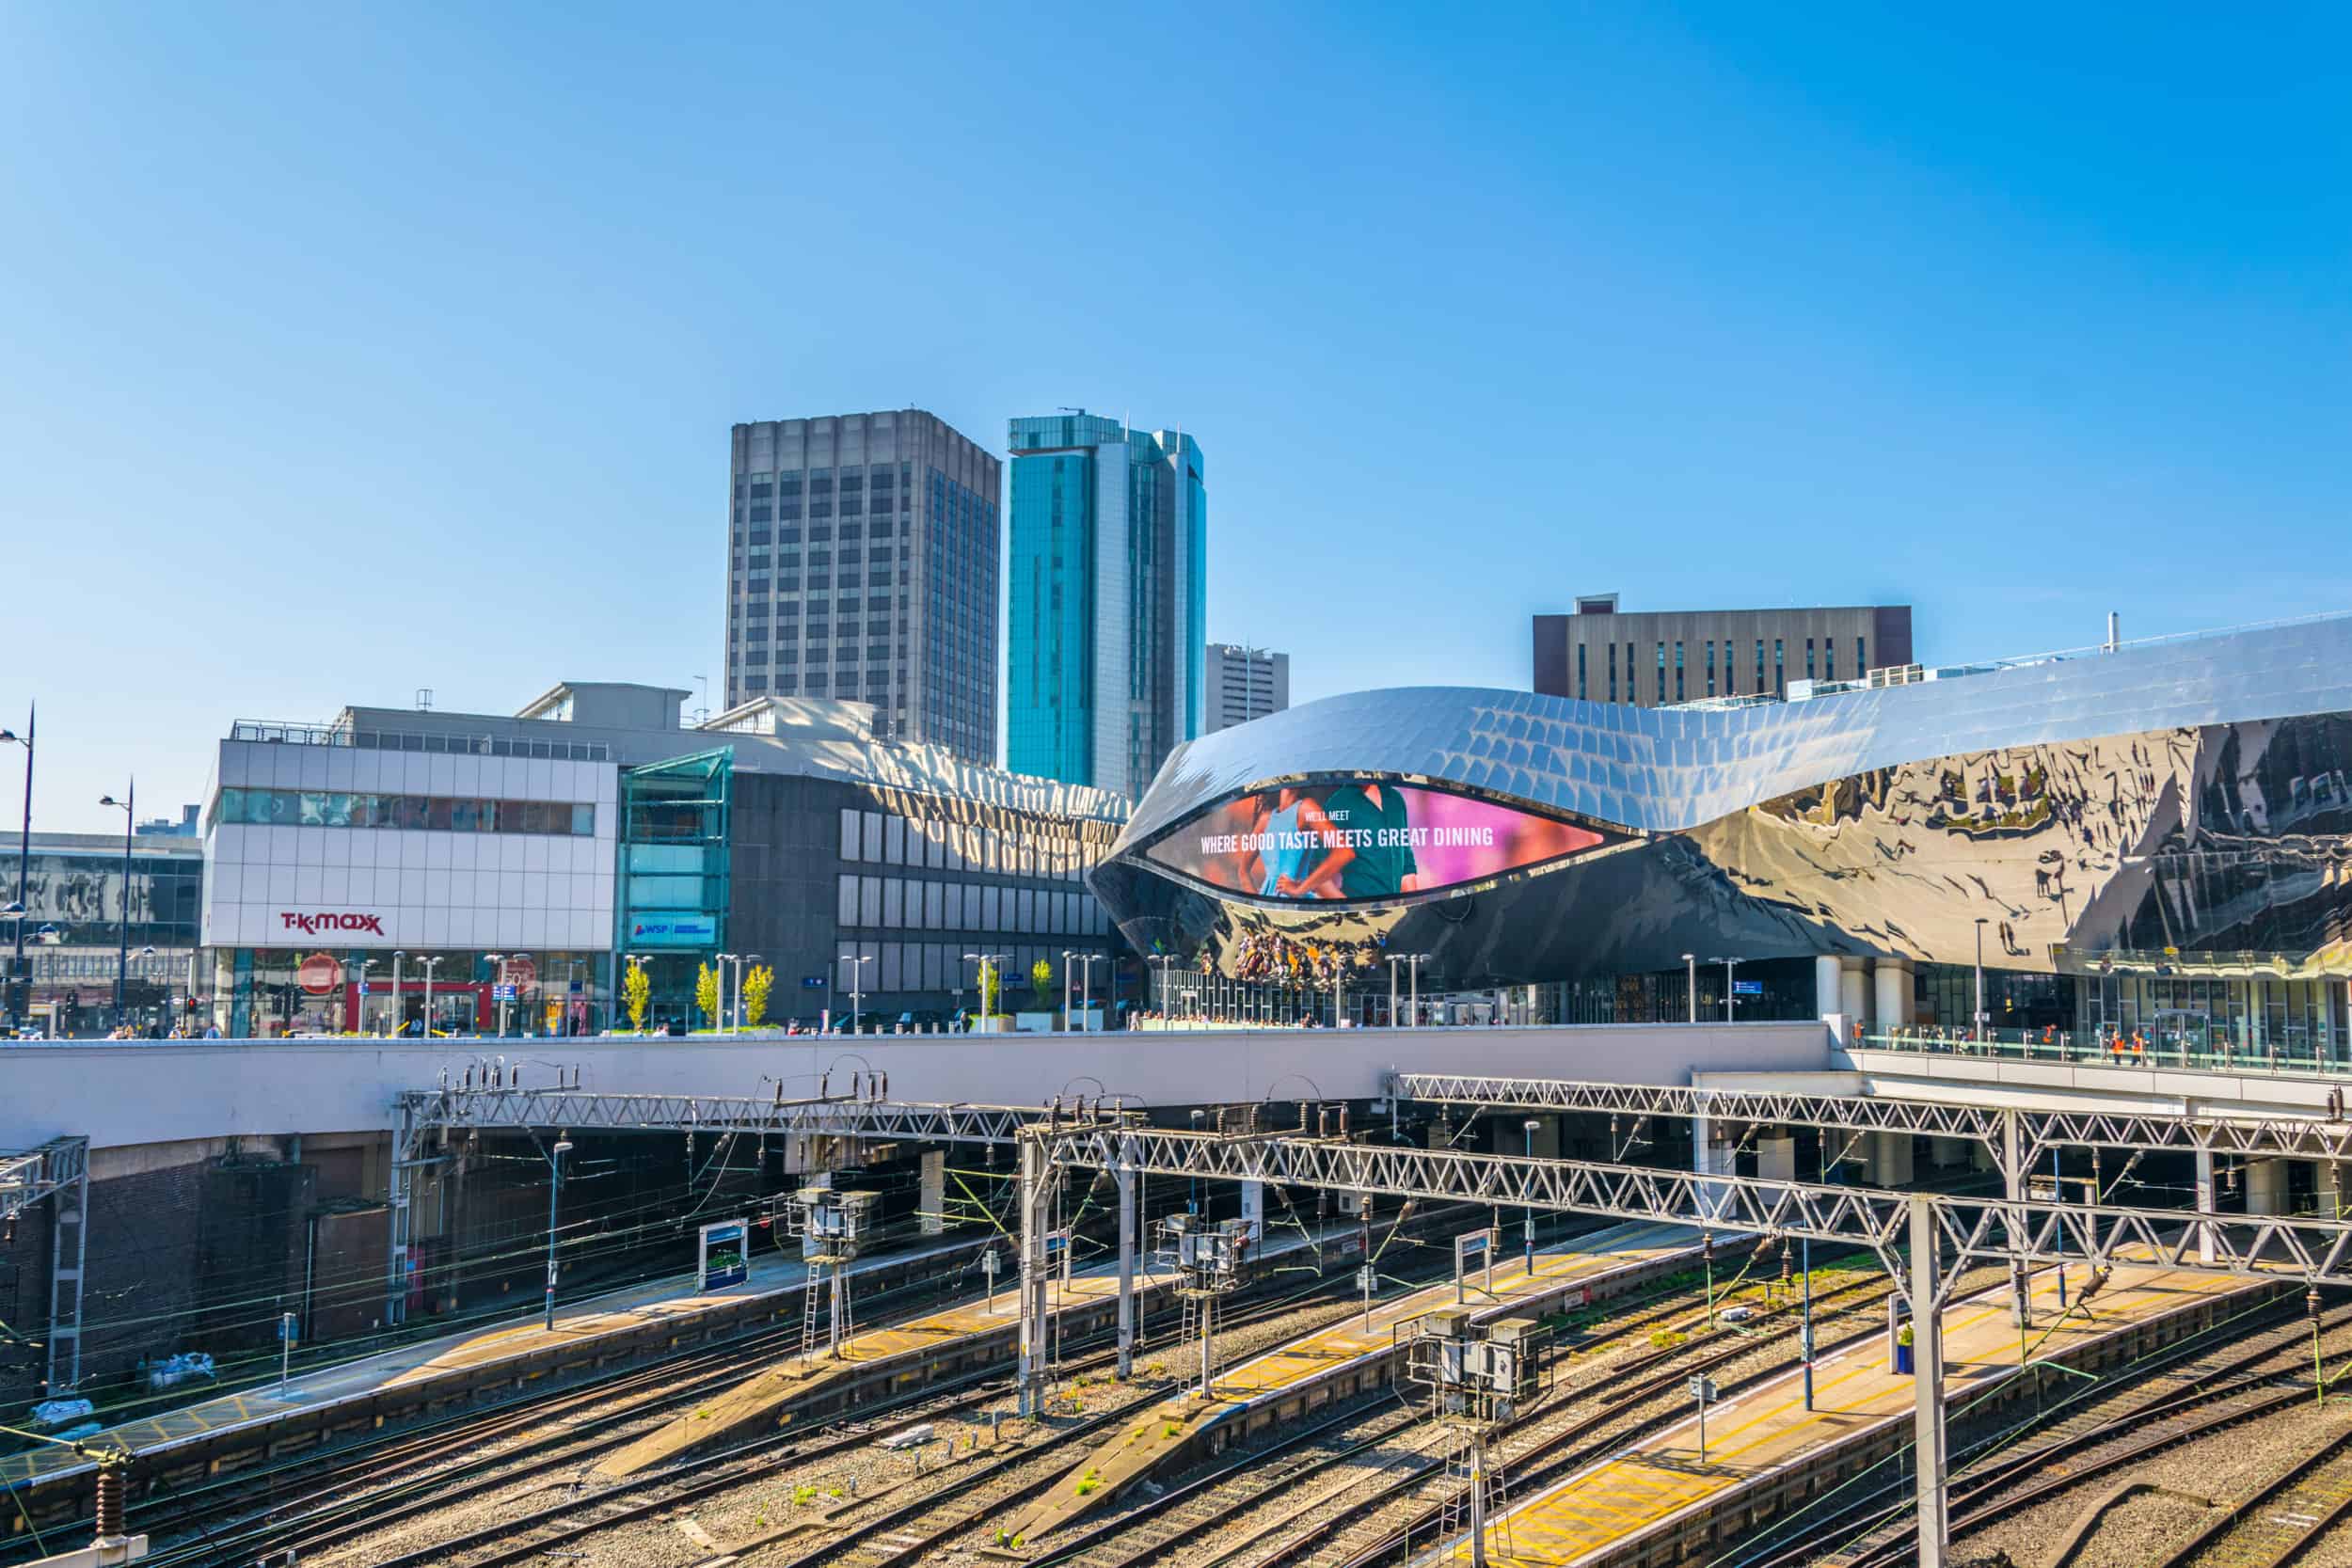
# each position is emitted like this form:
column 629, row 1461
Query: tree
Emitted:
column 755, row 988
column 1041, row 984
column 706, row 992
column 991, row 986
column 637, row 995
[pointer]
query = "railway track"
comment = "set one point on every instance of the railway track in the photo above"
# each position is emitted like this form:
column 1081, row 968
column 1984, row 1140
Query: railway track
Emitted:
column 250, row 1504
column 2187, row 1391
column 1558, row 1438
column 330, row 1511
column 1271, row 1499
column 2281, row 1523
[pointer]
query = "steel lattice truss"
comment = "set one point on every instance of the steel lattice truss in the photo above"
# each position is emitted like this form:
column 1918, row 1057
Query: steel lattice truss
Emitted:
column 422, row 1110
column 2297, row 1137
column 26, row 1178
column 1973, row 1229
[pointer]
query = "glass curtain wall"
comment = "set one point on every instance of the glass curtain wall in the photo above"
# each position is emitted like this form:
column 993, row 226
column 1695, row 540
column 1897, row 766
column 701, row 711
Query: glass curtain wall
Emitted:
column 672, row 909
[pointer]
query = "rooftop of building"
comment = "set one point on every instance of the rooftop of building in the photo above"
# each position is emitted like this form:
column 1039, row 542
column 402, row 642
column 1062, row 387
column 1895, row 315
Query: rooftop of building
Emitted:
column 862, row 414
column 1661, row 770
column 1607, row 604
column 634, row 725
column 173, row 844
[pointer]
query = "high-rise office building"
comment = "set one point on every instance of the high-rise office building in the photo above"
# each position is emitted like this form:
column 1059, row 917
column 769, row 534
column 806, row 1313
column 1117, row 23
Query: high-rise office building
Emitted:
column 1244, row 684
column 1656, row 659
column 1106, row 610
column 862, row 558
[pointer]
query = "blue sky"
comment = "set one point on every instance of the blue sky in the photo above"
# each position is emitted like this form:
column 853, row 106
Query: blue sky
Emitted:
column 351, row 350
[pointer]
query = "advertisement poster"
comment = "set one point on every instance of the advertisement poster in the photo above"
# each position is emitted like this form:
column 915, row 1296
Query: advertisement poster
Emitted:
column 725, row 1258
column 1353, row 840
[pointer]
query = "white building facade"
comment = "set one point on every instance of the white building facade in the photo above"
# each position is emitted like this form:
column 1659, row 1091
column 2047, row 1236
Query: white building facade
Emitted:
column 336, row 855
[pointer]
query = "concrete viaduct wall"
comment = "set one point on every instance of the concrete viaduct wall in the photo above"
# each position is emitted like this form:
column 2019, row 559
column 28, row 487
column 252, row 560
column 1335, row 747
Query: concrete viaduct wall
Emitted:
column 133, row 1093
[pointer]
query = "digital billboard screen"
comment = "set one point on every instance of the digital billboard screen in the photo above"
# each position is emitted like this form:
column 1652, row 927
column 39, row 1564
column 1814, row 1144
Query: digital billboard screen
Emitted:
column 1358, row 839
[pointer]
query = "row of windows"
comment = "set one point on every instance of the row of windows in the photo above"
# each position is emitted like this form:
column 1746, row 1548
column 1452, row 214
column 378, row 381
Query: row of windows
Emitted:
column 305, row 808
column 880, row 839
column 1827, row 670
column 483, row 746
column 850, row 475
column 898, row 903
column 876, row 968
column 760, row 534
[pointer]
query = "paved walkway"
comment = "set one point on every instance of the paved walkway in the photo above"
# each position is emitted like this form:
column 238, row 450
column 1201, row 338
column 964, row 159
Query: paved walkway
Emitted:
column 1769, row 1427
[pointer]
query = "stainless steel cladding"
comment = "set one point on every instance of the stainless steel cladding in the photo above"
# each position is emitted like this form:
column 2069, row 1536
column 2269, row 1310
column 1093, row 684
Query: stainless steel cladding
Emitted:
column 2185, row 803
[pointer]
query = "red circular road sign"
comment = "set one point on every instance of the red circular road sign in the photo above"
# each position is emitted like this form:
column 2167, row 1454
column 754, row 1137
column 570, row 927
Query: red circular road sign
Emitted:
column 320, row 973
column 518, row 970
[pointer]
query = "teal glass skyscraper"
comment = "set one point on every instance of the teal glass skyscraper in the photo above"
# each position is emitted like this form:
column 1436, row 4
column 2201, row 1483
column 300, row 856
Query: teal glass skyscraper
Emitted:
column 1106, row 615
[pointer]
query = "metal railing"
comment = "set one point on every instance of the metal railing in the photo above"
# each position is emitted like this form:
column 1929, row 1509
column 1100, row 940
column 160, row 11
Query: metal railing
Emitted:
column 2126, row 1049
column 270, row 732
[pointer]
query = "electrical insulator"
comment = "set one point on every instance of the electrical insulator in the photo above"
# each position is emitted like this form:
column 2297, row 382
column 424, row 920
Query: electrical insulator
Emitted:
column 2310, row 1304
column 1786, row 1268
column 109, row 1502
column 1707, row 1247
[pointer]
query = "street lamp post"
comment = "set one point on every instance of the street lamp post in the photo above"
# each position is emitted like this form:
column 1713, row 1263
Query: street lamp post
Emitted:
column 149, row 953
column 1727, row 963
column 128, row 805
column 1200, row 1121
column 359, row 999
column 498, row 987
column 1412, row 977
column 1529, row 1126
column 430, row 965
column 1066, row 956
column 741, row 959
column 398, row 1022
column 571, row 983
column 555, row 1186
column 719, row 1019
column 1977, row 1032
column 1085, row 985
column 985, row 961
column 21, row 990
column 857, row 987
column 1690, row 963
column 636, row 961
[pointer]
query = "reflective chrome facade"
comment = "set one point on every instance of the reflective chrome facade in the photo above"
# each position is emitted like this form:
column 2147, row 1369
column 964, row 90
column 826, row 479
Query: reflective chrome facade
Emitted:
column 2181, row 804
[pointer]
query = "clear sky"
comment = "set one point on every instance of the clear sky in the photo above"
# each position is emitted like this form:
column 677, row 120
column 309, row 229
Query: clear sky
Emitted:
column 346, row 350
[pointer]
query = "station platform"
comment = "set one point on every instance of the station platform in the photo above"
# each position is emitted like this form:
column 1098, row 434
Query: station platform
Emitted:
column 1337, row 1361
column 1603, row 1514
column 966, row 1335
column 593, row 1320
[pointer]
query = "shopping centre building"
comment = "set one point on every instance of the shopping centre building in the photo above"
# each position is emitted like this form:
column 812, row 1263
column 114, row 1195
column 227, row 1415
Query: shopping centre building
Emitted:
column 516, row 861
column 2151, row 837
column 77, row 941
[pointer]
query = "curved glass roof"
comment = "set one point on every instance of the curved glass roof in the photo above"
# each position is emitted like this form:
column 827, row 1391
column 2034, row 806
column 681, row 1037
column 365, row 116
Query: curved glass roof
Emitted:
column 1664, row 769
